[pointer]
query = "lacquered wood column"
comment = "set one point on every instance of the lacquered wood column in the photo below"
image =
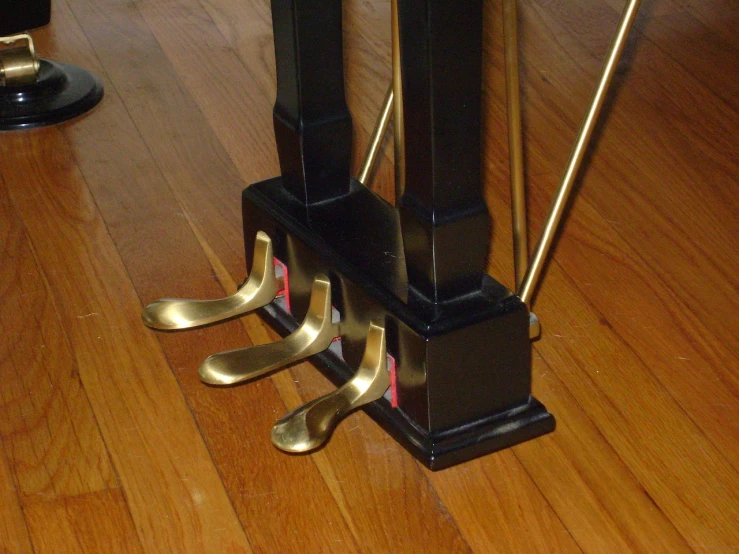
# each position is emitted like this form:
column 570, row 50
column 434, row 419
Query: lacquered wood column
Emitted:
column 313, row 126
column 444, row 217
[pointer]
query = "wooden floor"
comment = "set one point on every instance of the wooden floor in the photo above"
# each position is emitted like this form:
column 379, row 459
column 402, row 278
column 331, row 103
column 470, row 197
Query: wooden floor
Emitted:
column 109, row 442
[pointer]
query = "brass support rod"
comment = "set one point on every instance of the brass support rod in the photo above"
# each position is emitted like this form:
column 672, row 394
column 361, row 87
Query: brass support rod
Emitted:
column 559, row 202
column 373, row 149
column 398, row 125
column 515, row 141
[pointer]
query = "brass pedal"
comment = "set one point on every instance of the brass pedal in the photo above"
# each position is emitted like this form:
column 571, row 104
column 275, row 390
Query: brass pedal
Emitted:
column 314, row 335
column 260, row 288
column 311, row 425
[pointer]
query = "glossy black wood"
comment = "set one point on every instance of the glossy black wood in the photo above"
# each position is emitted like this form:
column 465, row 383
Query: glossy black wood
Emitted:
column 436, row 450
column 459, row 338
column 17, row 16
column 445, row 219
column 463, row 366
column 313, row 127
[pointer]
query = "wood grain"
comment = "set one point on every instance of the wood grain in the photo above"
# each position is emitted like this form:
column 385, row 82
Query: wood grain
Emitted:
column 699, row 276
column 109, row 442
column 95, row 522
column 112, row 351
column 260, row 503
column 598, row 376
column 47, row 426
column 14, row 537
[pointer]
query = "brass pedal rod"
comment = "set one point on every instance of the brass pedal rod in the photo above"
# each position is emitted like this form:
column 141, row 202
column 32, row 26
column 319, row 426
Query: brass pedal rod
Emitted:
column 311, row 425
column 392, row 108
column 373, row 149
column 559, row 203
column 515, row 140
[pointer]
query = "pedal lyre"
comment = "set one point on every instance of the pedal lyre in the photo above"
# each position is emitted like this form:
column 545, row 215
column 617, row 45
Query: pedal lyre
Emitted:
column 260, row 288
column 312, row 336
column 311, row 425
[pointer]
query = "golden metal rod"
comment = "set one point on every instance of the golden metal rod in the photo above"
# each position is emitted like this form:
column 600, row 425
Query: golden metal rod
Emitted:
column 398, row 125
column 515, row 141
column 579, row 149
column 373, row 150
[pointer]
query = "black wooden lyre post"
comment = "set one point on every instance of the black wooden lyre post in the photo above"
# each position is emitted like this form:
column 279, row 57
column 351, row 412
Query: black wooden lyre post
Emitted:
column 444, row 217
column 313, row 127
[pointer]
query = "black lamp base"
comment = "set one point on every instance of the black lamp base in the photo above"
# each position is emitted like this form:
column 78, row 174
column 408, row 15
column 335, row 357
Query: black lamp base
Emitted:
column 62, row 92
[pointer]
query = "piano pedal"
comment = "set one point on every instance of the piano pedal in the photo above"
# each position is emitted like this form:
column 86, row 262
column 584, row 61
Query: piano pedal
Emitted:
column 170, row 314
column 311, row 425
column 314, row 335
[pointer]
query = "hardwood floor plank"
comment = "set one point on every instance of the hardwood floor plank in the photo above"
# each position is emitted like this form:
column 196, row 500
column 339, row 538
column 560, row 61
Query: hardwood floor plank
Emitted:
column 646, row 313
column 720, row 15
column 674, row 34
column 634, row 293
column 154, row 119
column 639, row 419
column 600, row 290
column 629, row 407
column 678, row 221
column 14, row 537
column 223, row 90
column 570, row 465
column 176, row 498
column 256, row 475
column 494, row 501
column 94, row 523
column 634, row 414
column 49, row 431
column 140, row 199
column 644, row 292
column 601, row 502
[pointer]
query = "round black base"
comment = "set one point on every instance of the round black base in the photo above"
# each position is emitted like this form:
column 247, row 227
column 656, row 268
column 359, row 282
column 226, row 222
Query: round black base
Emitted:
column 62, row 91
